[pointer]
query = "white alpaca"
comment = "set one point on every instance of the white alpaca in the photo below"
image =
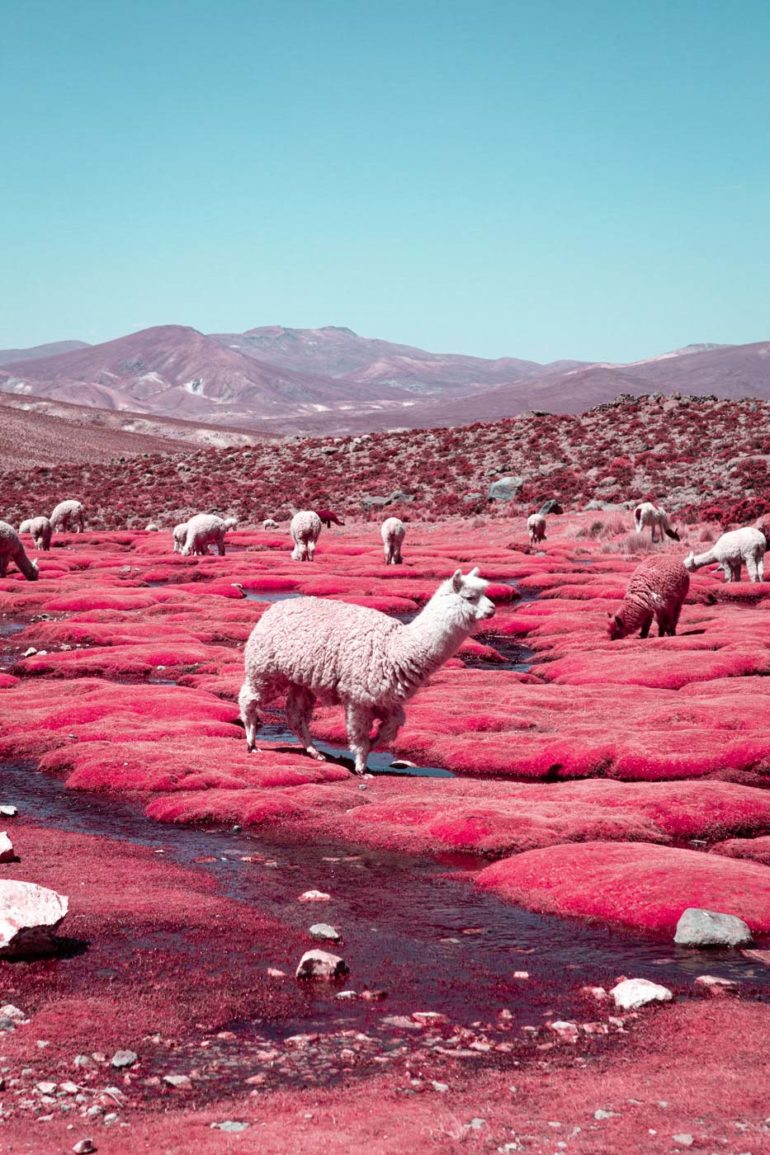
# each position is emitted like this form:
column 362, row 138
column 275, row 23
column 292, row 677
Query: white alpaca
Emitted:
column 393, row 532
column 68, row 515
column 536, row 527
column 206, row 529
column 11, row 549
column 305, row 529
column 39, row 529
column 656, row 518
column 179, row 535
column 731, row 551
column 315, row 650
column 268, row 523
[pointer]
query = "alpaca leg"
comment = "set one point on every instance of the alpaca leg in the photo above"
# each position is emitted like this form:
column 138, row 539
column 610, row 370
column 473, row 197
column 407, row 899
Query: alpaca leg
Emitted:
column 310, row 550
column 3, row 565
column 249, row 703
column 761, row 568
column 390, row 724
column 751, row 566
column 359, row 726
column 645, row 627
column 299, row 710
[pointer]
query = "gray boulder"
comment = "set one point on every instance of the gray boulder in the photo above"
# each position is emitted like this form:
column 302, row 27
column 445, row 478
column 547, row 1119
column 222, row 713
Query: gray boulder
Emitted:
column 551, row 506
column 699, row 927
column 505, row 488
column 319, row 964
column 29, row 917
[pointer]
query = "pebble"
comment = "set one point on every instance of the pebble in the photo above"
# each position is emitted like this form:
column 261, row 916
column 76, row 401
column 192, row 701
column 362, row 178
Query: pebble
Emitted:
column 84, row 1147
column 322, row 930
column 230, row 1125
column 521, row 974
column 632, row 993
column 441, row 1088
column 602, row 1114
column 8, row 812
column 9, row 1011
column 177, row 1080
column 124, row 1059
column 314, row 896
column 46, row 1088
column 319, row 964
column 683, row 1140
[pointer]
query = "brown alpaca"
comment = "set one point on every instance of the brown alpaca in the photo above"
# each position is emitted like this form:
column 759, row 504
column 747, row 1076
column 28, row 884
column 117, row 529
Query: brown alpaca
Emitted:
column 656, row 589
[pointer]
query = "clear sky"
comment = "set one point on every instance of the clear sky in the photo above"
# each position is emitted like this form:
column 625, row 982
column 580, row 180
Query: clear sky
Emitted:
column 536, row 178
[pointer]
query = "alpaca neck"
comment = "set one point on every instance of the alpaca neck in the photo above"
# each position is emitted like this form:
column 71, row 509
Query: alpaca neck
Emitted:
column 435, row 634
column 25, row 566
column 701, row 559
column 632, row 614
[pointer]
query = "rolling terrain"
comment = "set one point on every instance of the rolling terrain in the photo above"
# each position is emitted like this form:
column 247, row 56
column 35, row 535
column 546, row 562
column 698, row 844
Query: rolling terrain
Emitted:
column 277, row 380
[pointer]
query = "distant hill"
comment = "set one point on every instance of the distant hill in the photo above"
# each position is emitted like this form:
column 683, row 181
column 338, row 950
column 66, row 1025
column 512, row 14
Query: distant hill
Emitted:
column 8, row 356
column 275, row 380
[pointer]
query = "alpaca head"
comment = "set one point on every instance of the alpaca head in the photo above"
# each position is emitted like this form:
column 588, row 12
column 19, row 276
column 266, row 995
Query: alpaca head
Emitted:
column 34, row 575
column 231, row 522
column 472, row 590
column 615, row 627
column 689, row 561
column 673, row 533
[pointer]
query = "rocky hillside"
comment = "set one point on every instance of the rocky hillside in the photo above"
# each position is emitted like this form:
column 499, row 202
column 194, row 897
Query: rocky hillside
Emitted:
column 700, row 457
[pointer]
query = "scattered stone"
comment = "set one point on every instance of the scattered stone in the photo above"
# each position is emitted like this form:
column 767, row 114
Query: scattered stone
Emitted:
column 400, row 1022
column 124, row 1059
column 505, row 488
column 230, row 1125
column 716, row 987
column 567, row 1031
column 177, row 1080
column 84, row 1147
column 30, row 652
column 346, row 995
column 699, row 927
column 429, row 1018
column 69, row 1088
column 683, row 1140
column 602, row 1114
column 373, row 996
column 83, row 1061
column 633, row 993
column 319, row 964
column 9, row 1011
column 29, row 917
column 322, row 930
column 46, row 1088
column 8, row 812
column 441, row 1088
column 314, row 896
column 477, row 1124
column 275, row 973
column 521, row 974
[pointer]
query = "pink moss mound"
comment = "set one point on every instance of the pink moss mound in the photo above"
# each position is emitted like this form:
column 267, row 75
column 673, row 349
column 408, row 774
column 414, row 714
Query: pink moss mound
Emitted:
column 634, row 884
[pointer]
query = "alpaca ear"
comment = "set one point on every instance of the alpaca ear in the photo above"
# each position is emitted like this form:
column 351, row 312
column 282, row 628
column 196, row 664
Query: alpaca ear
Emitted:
column 474, row 572
column 457, row 580
column 610, row 615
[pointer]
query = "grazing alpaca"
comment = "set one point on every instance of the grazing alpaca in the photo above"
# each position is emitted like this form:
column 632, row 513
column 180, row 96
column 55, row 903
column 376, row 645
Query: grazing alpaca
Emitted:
column 393, row 532
column 269, row 523
column 656, row 589
column 305, row 529
column 731, row 551
column 179, row 535
column 11, row 549
column 39, row 529
column 316, row 650
column 536, row 527
column 327, row 517
column 68, row 515
column 656, row 518
column 206, row 529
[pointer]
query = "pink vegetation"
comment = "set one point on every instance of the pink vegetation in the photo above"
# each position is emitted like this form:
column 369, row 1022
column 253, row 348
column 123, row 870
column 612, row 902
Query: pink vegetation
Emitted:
column 635, row 884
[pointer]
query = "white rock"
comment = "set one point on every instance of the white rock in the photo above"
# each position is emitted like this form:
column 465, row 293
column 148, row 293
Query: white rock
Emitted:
column 633, row 993
column 683, row 1140
column 699, row 927
column 177, row 1080
column 322, row 930
column 319, row 964
column 8, row 812
column 29, row 916
column 84, row 1147
column 29, row 652
column 124, row 1059
column 46, row 1088
column 6, row 848
column 565, row 1030
column 9, row 1011
column 314, row 896
column 713, row 984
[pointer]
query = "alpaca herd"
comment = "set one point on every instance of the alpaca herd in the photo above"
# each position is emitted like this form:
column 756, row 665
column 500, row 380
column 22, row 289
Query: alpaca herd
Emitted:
column 313, row 650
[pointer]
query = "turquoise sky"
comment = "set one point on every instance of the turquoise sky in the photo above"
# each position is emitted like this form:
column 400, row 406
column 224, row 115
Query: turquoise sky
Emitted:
column 544, row 179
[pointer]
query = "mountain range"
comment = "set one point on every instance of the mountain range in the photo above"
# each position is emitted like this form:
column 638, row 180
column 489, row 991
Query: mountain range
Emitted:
column 277, row 380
